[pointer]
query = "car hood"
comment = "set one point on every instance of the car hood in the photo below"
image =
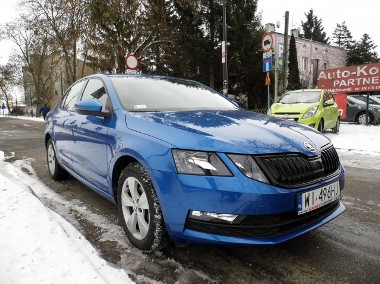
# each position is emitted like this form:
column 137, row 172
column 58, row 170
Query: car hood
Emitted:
column 227, row 131
column 292, row 108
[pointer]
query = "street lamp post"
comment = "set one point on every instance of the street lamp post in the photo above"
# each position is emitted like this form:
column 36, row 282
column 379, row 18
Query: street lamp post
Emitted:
column 224, row 51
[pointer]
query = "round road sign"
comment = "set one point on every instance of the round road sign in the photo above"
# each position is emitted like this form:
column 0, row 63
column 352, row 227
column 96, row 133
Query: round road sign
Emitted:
column 131, row 62
column 267, row 42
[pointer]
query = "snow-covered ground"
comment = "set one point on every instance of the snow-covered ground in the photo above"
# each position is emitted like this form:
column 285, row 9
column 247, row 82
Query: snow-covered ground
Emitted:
column 39, row 246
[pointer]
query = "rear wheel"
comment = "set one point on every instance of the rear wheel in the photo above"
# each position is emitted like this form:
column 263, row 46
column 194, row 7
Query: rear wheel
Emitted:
column 140, row 210
column 55, row 170
column 361, row 118
column 337, row 126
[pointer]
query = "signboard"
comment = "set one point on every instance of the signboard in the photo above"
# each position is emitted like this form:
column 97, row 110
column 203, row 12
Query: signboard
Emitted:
column 267, row 42
column 280, row 61
column 267, row 79
column 267, row 64
column 361, row 78
column 224, row 54
column 267, row 54
column 131, row 62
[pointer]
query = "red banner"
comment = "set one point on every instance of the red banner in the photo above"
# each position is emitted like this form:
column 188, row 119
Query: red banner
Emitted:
column 360, row 78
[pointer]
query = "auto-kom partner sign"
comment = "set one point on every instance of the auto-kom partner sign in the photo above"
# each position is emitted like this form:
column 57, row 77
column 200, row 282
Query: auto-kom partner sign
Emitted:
column 360, row 78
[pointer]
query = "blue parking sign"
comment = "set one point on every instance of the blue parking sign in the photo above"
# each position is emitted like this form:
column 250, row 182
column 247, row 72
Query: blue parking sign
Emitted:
column 267, row 64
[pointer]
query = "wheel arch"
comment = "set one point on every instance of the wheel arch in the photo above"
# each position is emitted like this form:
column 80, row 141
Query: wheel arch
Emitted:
column 47, row 138
column 119, row 165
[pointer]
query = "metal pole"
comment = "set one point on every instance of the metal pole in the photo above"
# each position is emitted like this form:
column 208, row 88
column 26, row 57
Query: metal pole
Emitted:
column 268, row 94
column 224, row 51
column 311, row 69
column 366, row 111
column 61, row 85
column 285, row 68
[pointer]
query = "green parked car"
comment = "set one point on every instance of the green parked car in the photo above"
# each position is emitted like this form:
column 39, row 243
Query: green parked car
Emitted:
column 314, row 107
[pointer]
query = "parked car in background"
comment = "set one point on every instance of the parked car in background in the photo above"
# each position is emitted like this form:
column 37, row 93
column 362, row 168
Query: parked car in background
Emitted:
column 314, row 107
column 372, row 99
column 356, row 111
column 182, row 161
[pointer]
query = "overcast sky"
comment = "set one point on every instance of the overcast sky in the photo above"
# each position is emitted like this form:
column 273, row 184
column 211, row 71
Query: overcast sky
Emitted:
column 360, row 16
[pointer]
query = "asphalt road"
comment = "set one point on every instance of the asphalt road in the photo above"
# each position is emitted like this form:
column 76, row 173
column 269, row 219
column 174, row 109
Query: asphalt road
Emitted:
column 347, row 250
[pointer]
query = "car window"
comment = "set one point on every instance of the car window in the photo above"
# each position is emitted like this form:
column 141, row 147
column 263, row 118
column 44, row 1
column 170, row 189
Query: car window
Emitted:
column 375, row 100
column 95, row 90
column 72, row 96
column 300, row 97
column 354, row 101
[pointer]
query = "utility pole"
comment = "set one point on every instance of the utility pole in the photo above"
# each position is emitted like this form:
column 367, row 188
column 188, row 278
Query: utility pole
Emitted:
column 224, row 51
column 285, row 65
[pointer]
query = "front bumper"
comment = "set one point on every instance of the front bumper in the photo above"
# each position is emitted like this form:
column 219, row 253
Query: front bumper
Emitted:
column 270, row 211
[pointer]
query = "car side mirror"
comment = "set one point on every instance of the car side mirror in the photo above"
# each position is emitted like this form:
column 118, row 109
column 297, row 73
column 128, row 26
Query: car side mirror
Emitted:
column 91, row 107
column 329, row 102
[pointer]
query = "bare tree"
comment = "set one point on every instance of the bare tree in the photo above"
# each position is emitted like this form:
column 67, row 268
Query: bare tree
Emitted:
column 8, row 79
column 37, row 55
column 68, row 22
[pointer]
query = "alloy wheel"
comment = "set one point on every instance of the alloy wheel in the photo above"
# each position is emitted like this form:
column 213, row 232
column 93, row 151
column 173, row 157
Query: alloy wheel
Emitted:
column 135, row 208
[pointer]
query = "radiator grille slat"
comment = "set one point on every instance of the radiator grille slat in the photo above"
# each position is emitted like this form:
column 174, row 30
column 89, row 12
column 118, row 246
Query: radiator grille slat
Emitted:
column 295, row 170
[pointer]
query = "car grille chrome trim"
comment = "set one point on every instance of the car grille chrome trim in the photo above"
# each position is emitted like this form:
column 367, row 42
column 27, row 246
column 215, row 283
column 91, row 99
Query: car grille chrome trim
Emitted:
column 296, row 170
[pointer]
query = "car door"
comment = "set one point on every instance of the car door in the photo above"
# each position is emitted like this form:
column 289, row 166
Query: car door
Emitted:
column 329, row 110
column 352, row 111
column 63, row 123
column 91, row 141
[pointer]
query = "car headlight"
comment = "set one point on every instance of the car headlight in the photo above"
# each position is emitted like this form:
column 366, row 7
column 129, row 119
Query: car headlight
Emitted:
column 199, row 163
column 311, row 112
column 248, row 166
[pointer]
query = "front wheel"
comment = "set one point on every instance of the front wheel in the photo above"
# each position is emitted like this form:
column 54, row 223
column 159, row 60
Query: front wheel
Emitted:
column 140, row 210
column 337, row 126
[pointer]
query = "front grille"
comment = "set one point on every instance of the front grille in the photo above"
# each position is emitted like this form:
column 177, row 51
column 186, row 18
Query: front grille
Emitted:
column 295, row 170
column 264, row 226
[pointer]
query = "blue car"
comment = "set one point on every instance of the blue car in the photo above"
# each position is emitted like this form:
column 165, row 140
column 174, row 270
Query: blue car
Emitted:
column 183, row 163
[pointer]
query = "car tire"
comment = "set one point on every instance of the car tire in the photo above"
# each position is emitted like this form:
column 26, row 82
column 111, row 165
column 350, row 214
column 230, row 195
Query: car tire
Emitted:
column 140, row 210
column 320, row 126
column 361, row 118
column 56, row 171
column 337, row 126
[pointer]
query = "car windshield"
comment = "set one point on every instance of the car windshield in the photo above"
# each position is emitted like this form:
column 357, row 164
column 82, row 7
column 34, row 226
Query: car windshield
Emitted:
column 144, row 94
column 300, row 97
column 355, row 101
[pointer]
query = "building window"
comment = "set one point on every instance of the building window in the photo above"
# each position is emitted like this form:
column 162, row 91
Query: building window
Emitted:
column 325, row 65
column 304, row 64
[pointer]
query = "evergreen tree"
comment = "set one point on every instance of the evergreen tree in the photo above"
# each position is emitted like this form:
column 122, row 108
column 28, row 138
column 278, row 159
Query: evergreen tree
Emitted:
column 362, row 52
column 294, row 82
column 313, row 28
column 342, row 36
column 244, row 52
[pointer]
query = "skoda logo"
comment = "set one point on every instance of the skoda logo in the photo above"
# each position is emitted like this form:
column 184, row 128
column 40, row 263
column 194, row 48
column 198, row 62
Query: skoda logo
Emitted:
column 309, row 146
